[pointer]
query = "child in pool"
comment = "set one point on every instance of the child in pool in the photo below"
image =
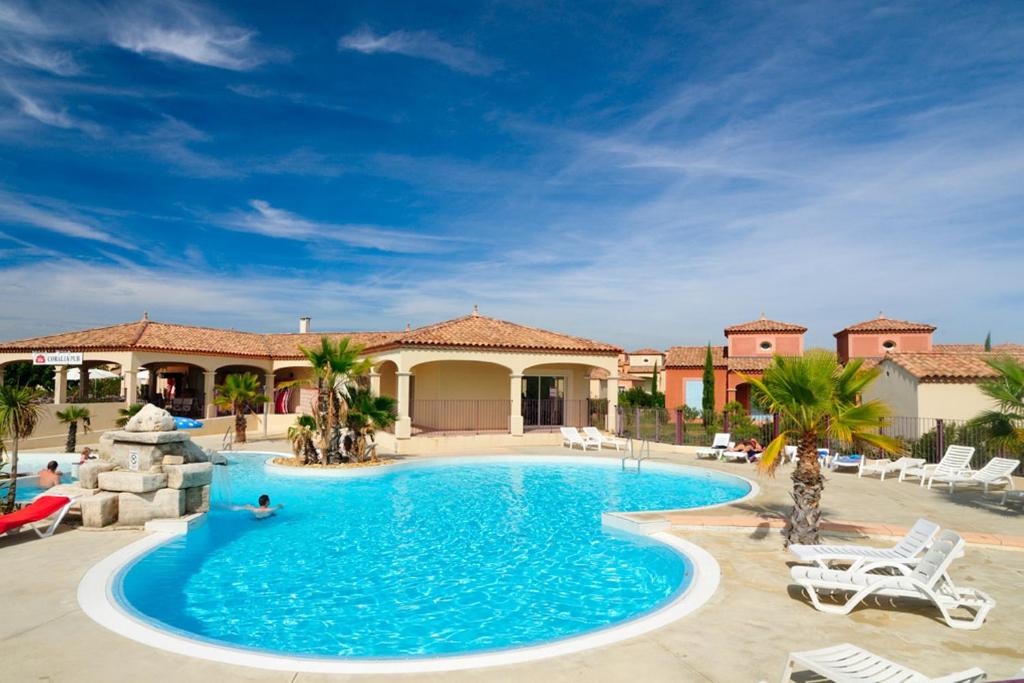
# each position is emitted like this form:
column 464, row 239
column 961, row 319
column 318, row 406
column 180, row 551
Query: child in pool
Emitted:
column 264, row 510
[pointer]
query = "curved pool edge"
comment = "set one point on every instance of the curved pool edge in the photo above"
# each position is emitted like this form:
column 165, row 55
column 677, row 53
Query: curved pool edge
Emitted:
column 96, row 598
column 318, row 473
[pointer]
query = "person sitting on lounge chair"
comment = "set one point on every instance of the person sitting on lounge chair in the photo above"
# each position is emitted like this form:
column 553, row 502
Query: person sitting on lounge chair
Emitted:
column 751, row 447
column 49, row 476
column 86, row 456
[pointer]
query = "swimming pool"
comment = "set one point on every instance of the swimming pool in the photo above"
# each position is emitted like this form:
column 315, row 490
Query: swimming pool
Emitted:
column 439, row 558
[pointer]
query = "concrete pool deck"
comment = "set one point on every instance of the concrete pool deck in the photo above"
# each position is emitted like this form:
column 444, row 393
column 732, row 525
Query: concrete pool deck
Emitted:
column 742, row 634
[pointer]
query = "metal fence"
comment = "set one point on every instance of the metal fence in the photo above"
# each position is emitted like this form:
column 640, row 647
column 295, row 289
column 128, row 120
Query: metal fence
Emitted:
column 925, row 438
column 472, row 416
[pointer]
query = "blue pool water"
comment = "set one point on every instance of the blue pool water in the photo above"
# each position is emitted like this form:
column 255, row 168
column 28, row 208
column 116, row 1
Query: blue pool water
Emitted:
column 430, row 559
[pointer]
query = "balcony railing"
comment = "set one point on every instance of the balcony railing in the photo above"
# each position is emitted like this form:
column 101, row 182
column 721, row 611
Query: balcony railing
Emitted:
column 465, row 416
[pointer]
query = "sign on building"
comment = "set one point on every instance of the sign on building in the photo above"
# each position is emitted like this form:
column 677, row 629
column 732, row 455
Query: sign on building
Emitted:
column 56, row 358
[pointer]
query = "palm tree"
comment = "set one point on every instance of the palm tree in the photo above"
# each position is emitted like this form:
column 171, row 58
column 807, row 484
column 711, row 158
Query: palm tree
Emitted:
column 302, row 434
column 71, row 417
column 127, row 414
column 238, row 393
column 366, row 414
column 1005, row 424
column 19, row 414
column 816, row 396
column 334, row 363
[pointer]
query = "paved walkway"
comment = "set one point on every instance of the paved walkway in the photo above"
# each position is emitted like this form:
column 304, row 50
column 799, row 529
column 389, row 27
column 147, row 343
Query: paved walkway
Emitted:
column 742, row 634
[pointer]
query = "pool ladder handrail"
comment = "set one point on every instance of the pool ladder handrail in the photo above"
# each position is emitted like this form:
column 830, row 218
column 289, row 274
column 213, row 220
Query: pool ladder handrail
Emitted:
column 229, row 439
column 645, row 453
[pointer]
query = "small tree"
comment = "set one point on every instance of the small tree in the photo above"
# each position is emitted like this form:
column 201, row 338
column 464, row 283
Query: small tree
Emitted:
column 366, row 414
column 126, row 414
column 240, row 392
column 71, row 417
column 19, row 414
column 1004, row 425
column 708, row 399
column 654, row 379
column 817, row 396
column 302, row 434
column 334, row 364
column 988, row 341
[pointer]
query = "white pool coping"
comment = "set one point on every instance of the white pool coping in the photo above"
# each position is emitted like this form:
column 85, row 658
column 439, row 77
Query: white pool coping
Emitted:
column 97, row 599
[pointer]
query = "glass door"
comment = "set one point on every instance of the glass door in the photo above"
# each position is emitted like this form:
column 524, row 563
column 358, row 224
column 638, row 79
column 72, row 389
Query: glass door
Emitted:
column 543, row 401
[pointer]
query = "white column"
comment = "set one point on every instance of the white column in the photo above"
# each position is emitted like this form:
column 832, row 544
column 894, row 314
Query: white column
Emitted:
column 130, row 382
column 60, row 384
column 374, row 382
column 515, row 418
column 403, row 427
column 613, row 402
column 209, row 381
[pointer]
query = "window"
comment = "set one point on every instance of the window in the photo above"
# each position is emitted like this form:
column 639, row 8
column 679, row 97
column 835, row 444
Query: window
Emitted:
column 888, row 345
column 695, row 393
column 766, row 345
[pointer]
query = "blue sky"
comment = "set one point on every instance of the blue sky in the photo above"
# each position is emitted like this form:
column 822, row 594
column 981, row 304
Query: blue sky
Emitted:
column 642, row 173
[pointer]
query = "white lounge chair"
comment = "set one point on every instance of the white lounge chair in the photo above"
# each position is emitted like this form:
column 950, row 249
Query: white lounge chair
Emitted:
column 956, row 459
column 733, row 455
column 996, row 472
column 1012, row 498
column 719, row 444
column 594, row 434
column 791, row 452
column 850, row 664
column 866, row 558
column 884, row 466
column 928, row 580
column 571, row 437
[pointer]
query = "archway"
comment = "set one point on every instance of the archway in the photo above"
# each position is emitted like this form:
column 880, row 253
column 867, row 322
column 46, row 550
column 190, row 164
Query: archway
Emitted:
column 178, row 387
column 238, row 369
column 562, row 394
column 459, row 396
column 294, row 389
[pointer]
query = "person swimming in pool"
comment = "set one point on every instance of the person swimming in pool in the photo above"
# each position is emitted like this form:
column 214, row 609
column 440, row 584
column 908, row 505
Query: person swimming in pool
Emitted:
column 264, row 510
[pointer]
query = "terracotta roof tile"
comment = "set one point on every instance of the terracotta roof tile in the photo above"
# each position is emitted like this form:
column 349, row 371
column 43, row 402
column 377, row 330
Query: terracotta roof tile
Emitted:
column 471, row 331
column 947, row 367
column 763, row 325
column 977, row 348
column 478, row 331
column 693, row 356
column 645, row 352
column 750, row 363
column 883, row 324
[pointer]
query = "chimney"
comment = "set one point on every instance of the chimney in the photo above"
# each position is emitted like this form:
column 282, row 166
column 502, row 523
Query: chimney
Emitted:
column 304, row 325
column 476, row 310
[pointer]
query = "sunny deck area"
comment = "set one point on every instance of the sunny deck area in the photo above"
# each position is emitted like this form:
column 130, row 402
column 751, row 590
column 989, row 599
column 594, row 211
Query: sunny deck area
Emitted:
column 743, row 633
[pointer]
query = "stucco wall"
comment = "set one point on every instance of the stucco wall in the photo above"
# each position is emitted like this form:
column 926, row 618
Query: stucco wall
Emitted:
column 870, row 345
column 952, row 401
column 460, row 380
column 781, row 343
column 675, row 386
column 897, row 388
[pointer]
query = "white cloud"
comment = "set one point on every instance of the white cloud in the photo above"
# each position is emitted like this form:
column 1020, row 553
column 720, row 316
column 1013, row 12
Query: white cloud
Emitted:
column 38, row 110
column 32, row 212
column 224, row 48
column 41, row 57
column 423, row 45
column 265, row 219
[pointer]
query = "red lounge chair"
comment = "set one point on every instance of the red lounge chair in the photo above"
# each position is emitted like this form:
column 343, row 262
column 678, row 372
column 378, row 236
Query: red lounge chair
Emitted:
column 36, row 511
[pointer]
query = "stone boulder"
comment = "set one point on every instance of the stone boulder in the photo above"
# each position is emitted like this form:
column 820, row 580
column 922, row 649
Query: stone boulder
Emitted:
column 88, row 473
column 138, row 508
column 132, row 482
column 189, row 476
column 151, row 419
column 197, row 499
column 189, row 450
column 100, row 510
